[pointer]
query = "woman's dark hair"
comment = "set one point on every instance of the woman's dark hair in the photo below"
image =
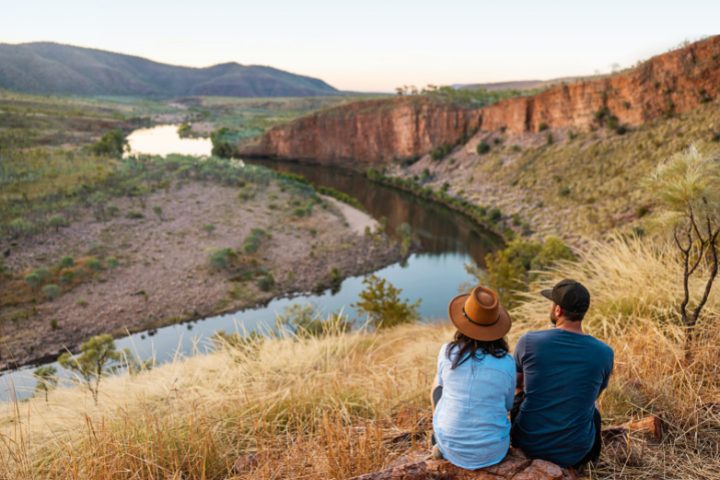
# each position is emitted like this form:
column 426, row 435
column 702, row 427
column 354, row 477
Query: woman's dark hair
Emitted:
column 470, row 348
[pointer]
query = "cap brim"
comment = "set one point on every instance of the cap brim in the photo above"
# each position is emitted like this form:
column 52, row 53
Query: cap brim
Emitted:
column 547, row 294
column 486, row 334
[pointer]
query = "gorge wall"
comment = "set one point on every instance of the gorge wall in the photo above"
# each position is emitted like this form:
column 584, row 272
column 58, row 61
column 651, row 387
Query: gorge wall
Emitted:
column 380, row 131
column 369, row 131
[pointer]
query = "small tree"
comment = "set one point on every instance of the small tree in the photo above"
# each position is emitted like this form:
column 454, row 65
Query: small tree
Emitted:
column 687, row 190
column 51, row 291
column 404, row 231
column 98, row 357
column 33, row 279
column 380, row 300
column 57, row 221
column 66, row 262
column 46, row 378
column 223, row 258
column 209, row 228
column 113, row 144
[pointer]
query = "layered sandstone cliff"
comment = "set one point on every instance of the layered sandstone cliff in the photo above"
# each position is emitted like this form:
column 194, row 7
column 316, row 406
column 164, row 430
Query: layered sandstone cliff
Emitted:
column 380, row 131
column 370, row 131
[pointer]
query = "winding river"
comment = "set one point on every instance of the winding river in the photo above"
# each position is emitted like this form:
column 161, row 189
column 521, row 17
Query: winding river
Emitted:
column 448, row 241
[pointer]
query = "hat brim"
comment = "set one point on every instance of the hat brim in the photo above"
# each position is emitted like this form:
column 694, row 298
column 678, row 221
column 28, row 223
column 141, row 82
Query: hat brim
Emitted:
column 495, row 331
column 547, row 294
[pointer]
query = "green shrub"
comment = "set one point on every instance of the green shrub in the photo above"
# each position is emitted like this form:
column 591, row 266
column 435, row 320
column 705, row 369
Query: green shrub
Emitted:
column 158, row 211
column 342, row 196
column 380, row 300
column 564, row 191
column 66, row 277
column 43, row 273
column 57, row 221
column 254, row 239
column 51, row 291
column 93, row 264
column 440, row 152
column 222, row 258
column 54, row 324
column 184, row 130
column 404, row 231
column 113, row 144
column 208, row 228
column 135, row 215
column 483, row 148
column 46, row 378
column 335, row 277
column 20, row 226
column 33, row 279
column 221, row 143
column 266, row 282
column 112, row 262
column 542, row 127
column 66, row 262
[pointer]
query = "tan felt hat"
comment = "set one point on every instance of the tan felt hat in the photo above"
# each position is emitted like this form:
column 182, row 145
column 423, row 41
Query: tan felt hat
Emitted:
column 479, row 315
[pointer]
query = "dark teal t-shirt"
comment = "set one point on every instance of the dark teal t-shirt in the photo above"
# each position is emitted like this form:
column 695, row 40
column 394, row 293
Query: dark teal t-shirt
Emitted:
column 564, row 373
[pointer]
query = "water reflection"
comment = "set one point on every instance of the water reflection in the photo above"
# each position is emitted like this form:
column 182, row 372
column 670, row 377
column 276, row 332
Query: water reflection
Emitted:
column 439, row 229
column 164, row 139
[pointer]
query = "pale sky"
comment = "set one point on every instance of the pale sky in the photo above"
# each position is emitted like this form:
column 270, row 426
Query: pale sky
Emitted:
column 374, row 45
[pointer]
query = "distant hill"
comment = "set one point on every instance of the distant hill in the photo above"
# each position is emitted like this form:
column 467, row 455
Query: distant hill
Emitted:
column 45, row 67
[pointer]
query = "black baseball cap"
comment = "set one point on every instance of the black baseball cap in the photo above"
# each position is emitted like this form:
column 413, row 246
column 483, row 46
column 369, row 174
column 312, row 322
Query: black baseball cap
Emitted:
column 570, row 295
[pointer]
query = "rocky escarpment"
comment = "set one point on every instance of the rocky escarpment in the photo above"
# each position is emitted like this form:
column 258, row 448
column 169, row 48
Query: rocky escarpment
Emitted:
column 369, row 132
column 380, row 131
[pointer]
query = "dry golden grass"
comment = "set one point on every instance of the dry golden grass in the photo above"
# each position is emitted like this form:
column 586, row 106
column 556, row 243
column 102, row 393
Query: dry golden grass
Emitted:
column 325, row 408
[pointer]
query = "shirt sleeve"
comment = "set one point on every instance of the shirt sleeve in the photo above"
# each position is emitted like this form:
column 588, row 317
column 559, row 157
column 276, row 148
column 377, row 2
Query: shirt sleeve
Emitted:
column 441, row 361
column 519, row 354
column 608, row 371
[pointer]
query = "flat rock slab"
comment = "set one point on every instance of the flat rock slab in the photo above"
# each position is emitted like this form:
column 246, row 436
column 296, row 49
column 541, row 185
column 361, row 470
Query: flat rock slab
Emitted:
column 515, row 466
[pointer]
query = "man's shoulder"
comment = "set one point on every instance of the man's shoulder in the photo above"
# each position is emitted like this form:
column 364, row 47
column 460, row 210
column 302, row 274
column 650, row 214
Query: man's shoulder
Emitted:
column 537, row 335
column 602, row 347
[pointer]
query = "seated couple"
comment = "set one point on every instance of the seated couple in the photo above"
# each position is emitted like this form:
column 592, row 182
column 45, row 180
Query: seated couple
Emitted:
column 559, row 374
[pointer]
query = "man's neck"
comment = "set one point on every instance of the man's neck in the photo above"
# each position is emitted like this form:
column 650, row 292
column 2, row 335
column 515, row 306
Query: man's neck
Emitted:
column 569, row 326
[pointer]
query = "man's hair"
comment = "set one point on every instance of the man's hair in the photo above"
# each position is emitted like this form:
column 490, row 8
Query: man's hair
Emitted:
column 573, row 316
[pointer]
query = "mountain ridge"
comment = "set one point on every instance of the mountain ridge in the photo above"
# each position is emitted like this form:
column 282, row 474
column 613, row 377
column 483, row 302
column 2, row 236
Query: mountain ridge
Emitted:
column 54, row 68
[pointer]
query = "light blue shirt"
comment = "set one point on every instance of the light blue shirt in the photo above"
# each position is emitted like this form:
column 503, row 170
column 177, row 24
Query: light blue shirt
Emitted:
column 470, row 422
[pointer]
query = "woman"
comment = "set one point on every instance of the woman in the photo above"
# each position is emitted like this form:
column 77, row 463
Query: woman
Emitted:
column 475, row 384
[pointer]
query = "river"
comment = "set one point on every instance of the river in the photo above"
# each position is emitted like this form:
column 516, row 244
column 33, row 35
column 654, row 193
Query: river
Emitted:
column 447, row 242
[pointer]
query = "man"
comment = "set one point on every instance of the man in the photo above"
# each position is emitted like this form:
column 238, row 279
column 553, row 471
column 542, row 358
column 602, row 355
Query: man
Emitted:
column 561, row 372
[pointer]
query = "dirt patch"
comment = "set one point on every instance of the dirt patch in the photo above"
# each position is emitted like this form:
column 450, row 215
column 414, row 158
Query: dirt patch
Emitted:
column 164, row 275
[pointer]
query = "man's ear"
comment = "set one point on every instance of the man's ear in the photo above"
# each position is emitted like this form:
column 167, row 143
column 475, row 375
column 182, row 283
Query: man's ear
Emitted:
column 558, row 311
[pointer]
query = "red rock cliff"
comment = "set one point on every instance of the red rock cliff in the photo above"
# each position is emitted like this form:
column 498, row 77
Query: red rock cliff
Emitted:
column 379, row 131
column 369, row 131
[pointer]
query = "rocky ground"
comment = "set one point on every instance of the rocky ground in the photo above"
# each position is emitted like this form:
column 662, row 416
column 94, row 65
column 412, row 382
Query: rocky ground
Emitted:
column 163, row 274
